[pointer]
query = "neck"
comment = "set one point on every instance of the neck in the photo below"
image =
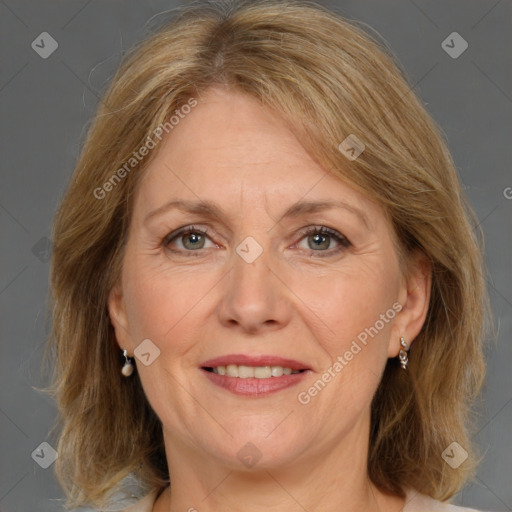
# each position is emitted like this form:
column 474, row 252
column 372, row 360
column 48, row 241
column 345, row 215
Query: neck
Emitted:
column 332, row 479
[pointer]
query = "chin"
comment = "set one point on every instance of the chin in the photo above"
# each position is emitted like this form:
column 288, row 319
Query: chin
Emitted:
column 254, row 449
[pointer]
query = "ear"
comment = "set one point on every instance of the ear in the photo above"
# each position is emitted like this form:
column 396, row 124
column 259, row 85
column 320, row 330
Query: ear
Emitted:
column 118, row 318
column 414, row 296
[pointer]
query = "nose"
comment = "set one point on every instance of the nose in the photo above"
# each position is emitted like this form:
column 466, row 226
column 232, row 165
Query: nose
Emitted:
column 254, row 298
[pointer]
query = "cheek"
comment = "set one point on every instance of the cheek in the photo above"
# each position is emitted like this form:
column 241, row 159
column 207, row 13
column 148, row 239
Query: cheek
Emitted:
column 356, row 313
column 158, row 302
column 350, row 301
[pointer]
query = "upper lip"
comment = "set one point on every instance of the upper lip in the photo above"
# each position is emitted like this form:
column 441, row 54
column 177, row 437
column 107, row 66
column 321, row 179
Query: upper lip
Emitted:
column 262, row 360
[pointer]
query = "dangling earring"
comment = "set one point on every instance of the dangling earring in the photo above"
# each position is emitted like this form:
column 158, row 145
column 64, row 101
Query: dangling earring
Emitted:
column 127, row 368
column 404, row 358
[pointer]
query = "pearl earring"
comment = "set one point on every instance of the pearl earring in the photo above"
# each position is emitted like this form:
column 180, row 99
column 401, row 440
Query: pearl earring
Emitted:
column 404, row 358
column 127, row 368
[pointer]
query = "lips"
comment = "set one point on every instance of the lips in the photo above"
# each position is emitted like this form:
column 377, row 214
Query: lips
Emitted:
column 245, row 360
column 259, row 386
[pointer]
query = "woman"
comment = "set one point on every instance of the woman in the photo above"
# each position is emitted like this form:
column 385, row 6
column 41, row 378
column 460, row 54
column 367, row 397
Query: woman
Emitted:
column 267, row 291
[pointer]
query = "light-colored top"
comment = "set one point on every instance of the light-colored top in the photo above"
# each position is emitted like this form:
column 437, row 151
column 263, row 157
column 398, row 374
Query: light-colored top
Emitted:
column 414, row 502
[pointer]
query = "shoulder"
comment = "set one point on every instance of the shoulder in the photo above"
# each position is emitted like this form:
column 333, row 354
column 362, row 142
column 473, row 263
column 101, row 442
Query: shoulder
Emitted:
column 143, row 505
column 415, row 502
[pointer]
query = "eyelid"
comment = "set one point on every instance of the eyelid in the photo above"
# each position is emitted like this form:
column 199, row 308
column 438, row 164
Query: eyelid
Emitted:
column 321, row 229
column 184, row 231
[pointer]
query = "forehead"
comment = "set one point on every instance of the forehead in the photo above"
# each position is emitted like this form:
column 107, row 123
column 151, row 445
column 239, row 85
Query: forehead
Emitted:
column 231, row 148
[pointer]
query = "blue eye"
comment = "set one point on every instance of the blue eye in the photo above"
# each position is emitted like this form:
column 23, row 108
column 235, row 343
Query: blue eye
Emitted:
column 319, row 240
column 191, row 238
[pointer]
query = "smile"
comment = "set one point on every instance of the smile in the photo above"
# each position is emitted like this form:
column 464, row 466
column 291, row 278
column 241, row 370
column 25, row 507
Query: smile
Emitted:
column 248, row 372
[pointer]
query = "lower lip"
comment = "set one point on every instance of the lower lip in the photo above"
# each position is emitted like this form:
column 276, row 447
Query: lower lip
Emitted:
column 253, row 386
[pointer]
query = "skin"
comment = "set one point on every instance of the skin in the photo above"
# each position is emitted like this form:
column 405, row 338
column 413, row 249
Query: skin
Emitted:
column 295, row 300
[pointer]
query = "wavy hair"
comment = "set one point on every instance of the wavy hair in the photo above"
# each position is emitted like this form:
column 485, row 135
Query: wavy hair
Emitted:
column 329, row 78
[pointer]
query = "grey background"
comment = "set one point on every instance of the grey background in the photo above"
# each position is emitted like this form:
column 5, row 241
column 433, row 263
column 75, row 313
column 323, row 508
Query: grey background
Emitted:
column 45, row 105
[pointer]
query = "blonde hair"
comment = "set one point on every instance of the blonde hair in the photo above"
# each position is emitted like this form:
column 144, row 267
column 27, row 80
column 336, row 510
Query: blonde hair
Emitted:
column 329, row 79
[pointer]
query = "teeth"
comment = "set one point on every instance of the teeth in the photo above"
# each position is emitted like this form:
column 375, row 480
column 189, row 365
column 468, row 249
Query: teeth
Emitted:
column 263, row 372
column 277, row 371
column 232, row 370
column 245, row 372
column 258, row 372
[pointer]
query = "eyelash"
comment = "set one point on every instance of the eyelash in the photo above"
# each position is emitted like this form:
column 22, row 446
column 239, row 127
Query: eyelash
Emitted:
column 343, row 242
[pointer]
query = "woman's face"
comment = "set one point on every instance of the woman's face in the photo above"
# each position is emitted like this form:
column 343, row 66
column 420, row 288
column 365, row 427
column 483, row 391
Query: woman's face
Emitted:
column 296, row 271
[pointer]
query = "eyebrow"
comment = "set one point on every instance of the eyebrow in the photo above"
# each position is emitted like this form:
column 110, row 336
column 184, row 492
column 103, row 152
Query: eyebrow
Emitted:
column 300, row 208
